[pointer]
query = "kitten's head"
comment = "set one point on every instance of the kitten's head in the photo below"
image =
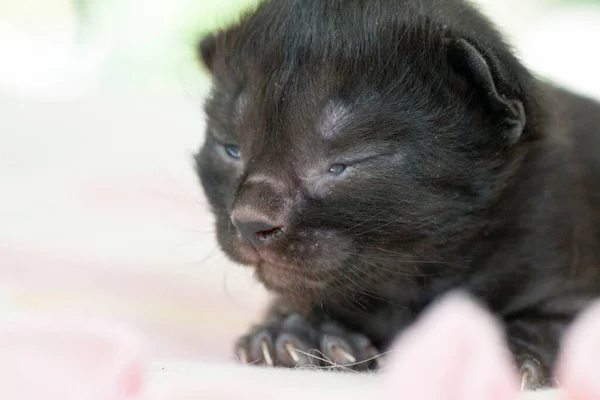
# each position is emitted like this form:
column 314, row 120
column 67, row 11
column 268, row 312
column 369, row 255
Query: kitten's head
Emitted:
column 350, row 143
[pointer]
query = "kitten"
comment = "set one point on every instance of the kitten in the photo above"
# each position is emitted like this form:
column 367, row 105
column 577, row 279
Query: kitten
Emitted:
column 366, row 157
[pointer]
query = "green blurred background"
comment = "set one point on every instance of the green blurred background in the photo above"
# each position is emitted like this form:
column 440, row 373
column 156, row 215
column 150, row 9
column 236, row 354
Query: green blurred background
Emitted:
column 144, row 43
column 166, row 55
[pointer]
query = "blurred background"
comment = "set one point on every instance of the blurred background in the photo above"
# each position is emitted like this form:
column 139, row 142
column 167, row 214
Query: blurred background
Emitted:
column 100, row 113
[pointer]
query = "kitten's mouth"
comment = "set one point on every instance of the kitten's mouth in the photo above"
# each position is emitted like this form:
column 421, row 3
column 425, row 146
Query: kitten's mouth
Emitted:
column 251, row 256
column 278, row 277
column 274, row 271
column 248, row 255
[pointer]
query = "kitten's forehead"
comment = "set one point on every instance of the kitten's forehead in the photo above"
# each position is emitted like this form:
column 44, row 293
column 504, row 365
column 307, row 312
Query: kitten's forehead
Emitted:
column 333, row 118
column 240, row 106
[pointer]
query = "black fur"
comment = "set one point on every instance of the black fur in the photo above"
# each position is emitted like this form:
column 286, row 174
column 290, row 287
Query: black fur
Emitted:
column 463, row 171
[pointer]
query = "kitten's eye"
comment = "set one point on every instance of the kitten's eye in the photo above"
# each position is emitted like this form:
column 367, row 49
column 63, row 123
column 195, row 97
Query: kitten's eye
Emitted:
column 337, row 169
column 232, row 151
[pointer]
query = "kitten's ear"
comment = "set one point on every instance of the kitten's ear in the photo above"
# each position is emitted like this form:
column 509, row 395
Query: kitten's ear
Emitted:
column 469, row 62
column 207, row 48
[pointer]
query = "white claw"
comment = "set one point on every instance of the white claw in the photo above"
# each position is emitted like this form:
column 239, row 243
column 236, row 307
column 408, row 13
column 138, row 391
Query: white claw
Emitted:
column 524, row 379
column 243, row 356
column 345, row 354
column 264, row 347
column 292, row 352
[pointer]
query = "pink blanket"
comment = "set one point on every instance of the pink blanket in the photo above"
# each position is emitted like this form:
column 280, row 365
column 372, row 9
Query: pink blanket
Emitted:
column 455, row 352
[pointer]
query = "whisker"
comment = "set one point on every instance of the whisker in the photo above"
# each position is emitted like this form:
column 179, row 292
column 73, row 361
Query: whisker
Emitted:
column 333, row 365
column 326, row 360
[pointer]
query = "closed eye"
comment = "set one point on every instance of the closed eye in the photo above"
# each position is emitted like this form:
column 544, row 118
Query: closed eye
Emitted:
column 225, row 146
column 340, row 167
column 233, row 151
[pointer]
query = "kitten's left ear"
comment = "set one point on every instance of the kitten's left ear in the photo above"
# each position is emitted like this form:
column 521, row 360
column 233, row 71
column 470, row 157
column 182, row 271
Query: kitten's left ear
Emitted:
column 207, row 48
column 471, row 63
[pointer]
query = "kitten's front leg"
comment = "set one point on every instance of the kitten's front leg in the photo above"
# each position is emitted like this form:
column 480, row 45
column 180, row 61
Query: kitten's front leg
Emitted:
column 289, row 338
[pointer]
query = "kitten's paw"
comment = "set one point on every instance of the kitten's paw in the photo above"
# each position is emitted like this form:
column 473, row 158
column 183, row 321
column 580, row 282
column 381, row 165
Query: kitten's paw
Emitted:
column 293, row 341
column 533, row 376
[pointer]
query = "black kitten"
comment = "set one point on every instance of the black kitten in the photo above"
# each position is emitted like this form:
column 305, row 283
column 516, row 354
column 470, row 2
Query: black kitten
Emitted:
column 365, row 157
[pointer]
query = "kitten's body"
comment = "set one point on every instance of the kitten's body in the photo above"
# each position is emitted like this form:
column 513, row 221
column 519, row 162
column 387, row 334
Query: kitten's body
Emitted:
column 461, row 171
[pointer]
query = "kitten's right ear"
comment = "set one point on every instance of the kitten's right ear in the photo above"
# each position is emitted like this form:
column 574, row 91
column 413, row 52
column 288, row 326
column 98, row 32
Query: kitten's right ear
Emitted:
column 207, row 48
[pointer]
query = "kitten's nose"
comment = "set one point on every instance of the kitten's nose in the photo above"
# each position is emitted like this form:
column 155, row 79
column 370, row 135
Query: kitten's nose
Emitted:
column 260, row 210
column 256, row 231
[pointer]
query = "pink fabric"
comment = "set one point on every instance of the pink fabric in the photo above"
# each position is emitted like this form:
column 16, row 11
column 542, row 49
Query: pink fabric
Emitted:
column 455, row 352
column 181, row 317
column 68, row 359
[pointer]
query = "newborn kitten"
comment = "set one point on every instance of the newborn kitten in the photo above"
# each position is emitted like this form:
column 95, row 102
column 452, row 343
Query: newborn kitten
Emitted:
column 366, row 157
